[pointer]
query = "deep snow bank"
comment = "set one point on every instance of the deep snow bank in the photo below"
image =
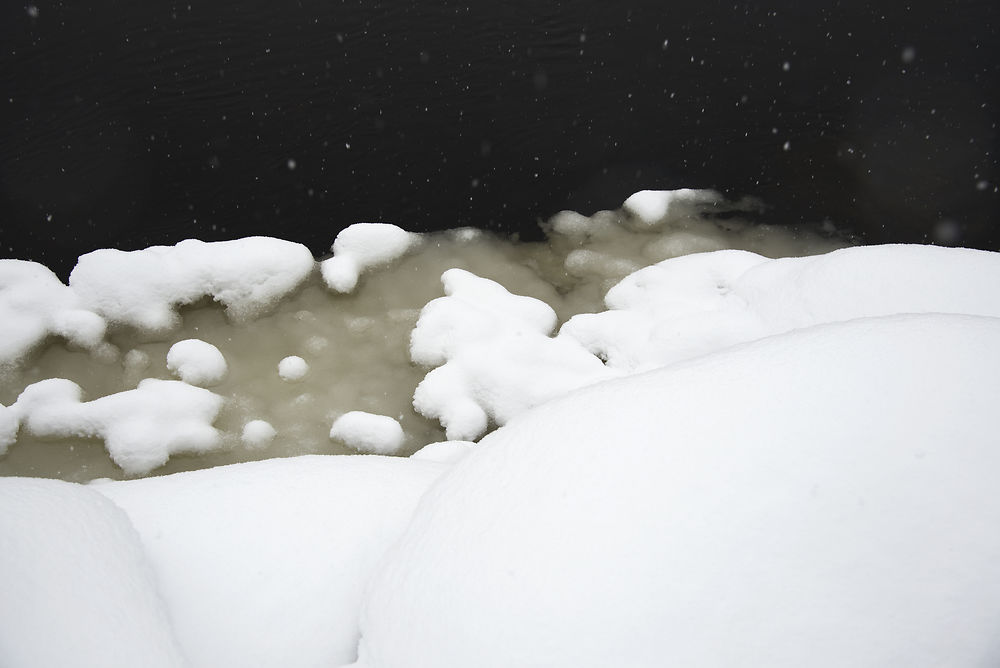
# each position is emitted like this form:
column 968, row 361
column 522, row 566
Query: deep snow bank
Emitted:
column 824, row 497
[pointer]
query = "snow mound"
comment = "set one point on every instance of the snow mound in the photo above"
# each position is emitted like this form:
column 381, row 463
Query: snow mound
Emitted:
column 495, row 354
column 652, row 208
column 264, row 564
column 141, row 428
column 368, row 433
column 197, row 362
column 293, row 368
column 35, row 304
column 258, row 434
column 361, row 247
column 77, row 589
column 445, row 452
column 143, row 288
column 825, row 497
column 697, row 304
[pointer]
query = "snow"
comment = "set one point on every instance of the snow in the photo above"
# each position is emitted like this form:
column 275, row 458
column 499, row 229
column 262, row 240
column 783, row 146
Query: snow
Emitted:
column 293, row 368
column 265, row 563
column 258, row 434
column 361, row 247
column 197, row 362
column 77, row 589
column 35, row 304
column 141, row 428
column 445, row 452
column 495, row 354
column 653, row 208
column 143, row 288
column 824, row 497
column 9, row 425
column 697, row 304
column 368, row 433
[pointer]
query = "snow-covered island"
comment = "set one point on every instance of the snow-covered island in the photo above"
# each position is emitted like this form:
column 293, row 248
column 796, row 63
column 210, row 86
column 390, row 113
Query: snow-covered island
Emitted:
column 644, row 443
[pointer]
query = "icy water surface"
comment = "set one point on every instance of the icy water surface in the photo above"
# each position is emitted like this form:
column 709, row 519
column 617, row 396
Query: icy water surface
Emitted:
column 357, row 345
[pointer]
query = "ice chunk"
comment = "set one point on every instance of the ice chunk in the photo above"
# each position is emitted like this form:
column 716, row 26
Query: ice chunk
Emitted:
column 825, row 497
column 35, row 304
column 143, row 288
column 258, row 434
column 361, row 247
column 367, row 432
column 197, row 362
column 293, row 368
column 77, row 587
column 264, row 564
column 141, row 428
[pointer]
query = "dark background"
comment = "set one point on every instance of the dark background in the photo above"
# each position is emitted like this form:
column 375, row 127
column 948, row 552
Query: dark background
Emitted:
column 126, row 124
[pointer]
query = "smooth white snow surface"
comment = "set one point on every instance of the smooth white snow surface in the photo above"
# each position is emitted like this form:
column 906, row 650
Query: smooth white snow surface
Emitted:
column 293, row 368
column 197, row 362
column 264, row 563
column 825, row 497
column 76, row 588
column 141, row 428
column 144, row 288
column 368, row 433
column 361, row 247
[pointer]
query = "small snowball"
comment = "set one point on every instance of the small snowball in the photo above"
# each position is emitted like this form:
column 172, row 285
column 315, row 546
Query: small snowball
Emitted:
column 258, row 434
column 367, row 432
column 653, row 207
column 293, row 368
column 197, row 362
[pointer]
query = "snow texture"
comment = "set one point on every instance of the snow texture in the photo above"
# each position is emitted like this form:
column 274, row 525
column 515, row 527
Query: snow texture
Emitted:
column 293, row 368
column 826, row 497
column 197, row 362
column 495, row 354
column 75, row 586
column 264, row 564
column 652, row 208
column 361, row 247
column 445, row 452
column 9, row 425
column 144, row 288
column 35, row 304
column 258, row 434
column 368, row 433
column 141, row 428
column 693, row 305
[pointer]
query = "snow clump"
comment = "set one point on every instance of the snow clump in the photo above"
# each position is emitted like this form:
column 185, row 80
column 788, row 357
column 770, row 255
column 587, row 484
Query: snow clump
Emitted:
column 367, row 432
column 363, row 246
column 197, row 362
column 293, row 368
column 258, row 434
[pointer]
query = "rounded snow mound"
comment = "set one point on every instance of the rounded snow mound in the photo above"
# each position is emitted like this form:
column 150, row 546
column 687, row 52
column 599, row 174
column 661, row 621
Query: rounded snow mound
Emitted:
column 825, row 497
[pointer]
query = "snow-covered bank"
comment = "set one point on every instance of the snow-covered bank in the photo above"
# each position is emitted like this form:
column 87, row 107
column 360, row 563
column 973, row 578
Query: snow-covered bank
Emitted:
column 739, row 461
column 825, row 497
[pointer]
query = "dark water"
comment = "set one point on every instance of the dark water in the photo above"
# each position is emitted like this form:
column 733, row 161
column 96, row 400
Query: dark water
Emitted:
column 126, row 124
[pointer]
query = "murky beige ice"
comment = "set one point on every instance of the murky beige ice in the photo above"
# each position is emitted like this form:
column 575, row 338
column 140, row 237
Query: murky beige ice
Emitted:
column 356, row 345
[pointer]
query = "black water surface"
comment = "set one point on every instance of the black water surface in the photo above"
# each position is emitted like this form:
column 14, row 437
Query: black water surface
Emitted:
column 125, row 124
